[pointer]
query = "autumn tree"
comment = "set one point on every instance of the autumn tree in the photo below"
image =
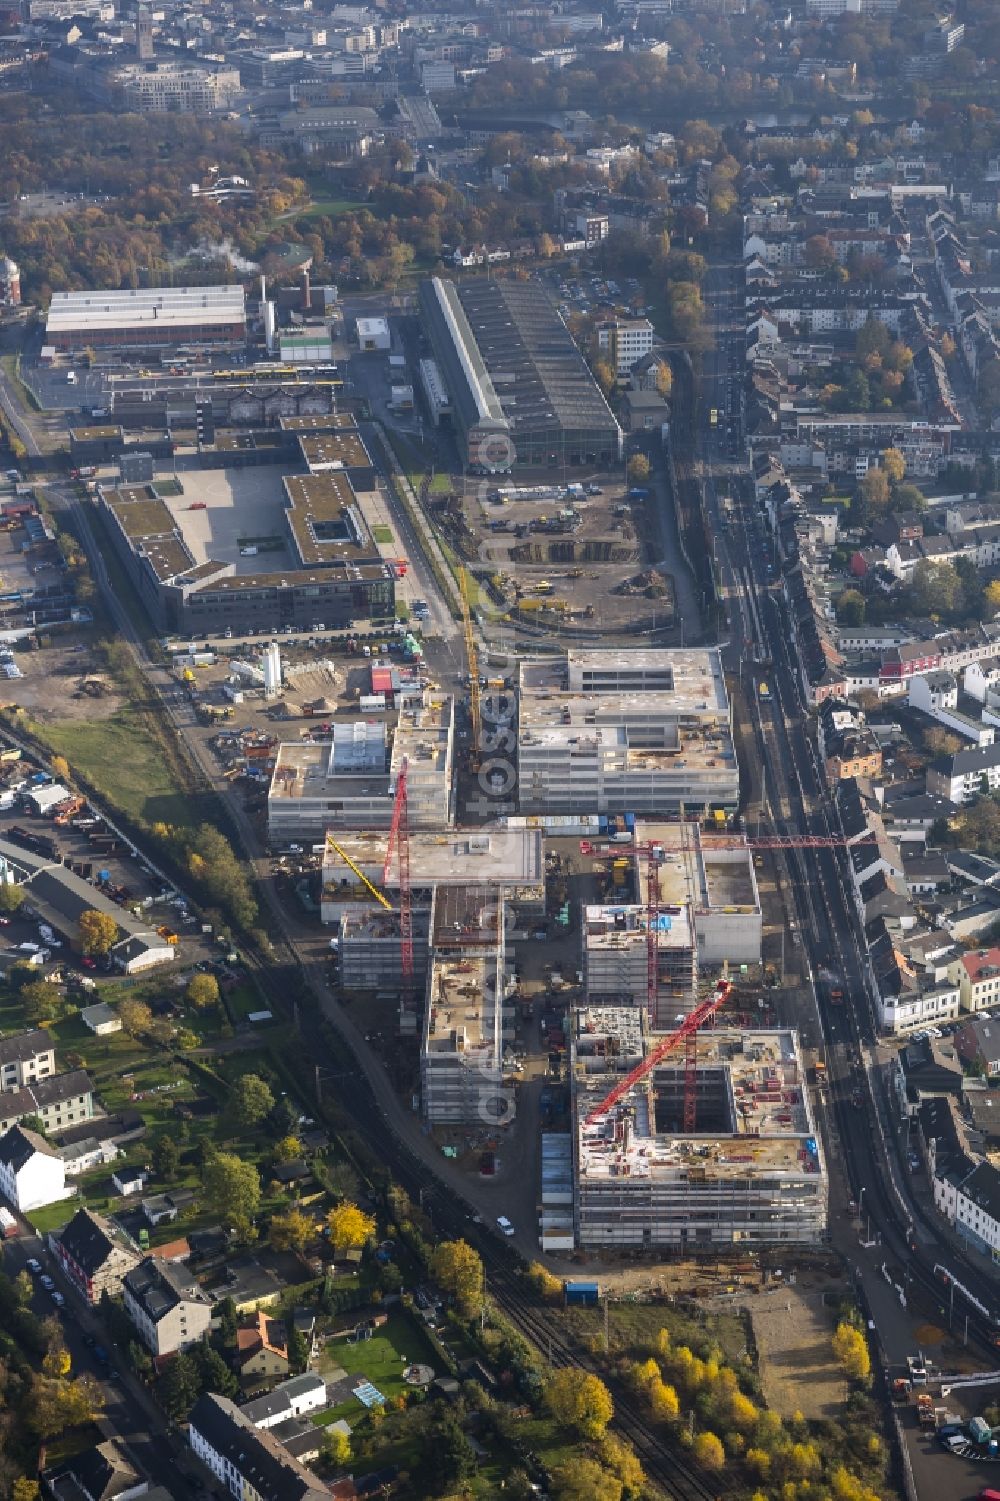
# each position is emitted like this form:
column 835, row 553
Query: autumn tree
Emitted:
column 941, row 742
column 664, row 379
column 287, row 1149
column 291, row 1230
column 708, row 1452
column 349, row 1227
column 98, row 931
column 544, row 1282
column 638, row 468
column 202, row 992
column 583, row 1479
column 232, row 1187
column 336, row 1449
column 894, row 465
column 604, row 375
column 992, row 596
column 620, row 1458
column 60, row 768
column 579, row 1400
column 851, row 1350
column 458, row 1269
column 137, row 1018
column 56, row 1404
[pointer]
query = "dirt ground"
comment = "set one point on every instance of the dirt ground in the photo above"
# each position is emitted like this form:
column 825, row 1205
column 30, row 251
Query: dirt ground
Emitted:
column 799, row 1374
column 52, row 687
column 591, row 564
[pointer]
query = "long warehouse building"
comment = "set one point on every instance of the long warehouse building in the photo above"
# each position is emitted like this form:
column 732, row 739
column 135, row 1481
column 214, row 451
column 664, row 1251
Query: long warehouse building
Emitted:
column 520, row 390
column 148, row 318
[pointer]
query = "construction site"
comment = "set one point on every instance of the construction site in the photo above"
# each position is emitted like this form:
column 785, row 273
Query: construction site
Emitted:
column 699, row 1139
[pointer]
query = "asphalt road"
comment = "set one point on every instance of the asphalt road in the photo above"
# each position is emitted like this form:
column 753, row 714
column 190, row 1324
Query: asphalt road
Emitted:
column 887, row 1229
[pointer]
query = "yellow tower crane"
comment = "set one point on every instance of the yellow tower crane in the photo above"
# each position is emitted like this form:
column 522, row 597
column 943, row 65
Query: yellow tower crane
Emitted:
column 378, row 895
column 473, row 661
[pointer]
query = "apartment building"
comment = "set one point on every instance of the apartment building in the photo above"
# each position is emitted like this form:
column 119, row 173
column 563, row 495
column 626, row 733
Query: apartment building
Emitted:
column 32, row 1174
column 962, row 776
column 249, row 1462
column 92, row 1256
column 606, row 732
column 175, row 88
column 166, row 1305
column 60, row 1101
column 26, row 1057
column 978, row 976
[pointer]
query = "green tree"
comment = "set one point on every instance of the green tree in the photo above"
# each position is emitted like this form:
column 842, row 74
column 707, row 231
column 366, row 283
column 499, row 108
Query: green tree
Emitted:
column 43, row 1002
column 98, row 931
column 179, row 1387
column 298, row 1349
column 579, row 1400
column 213, row 1373
column 458, row 1269
column 251, row 1101
column 936, row 589
column 850, row 607
column 445, row 1456
column 232, row 1187
column 166, row 1158
column 11, row 900
column 202, row 992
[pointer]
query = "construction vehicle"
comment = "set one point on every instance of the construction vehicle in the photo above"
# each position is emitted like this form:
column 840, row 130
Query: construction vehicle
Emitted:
column 68, row 809
column 168, row 935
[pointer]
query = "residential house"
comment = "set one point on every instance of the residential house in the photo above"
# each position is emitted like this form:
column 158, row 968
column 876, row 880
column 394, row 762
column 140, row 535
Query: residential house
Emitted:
column 32, row 1173
column 91, row 1255
column 60, row 1101
column 249, row 1462
column 965, row 774
column 978, row 976
column 26, row 1057
column 101, row 1473
column 291, row 1399
column 923, row 1069
column 977, row 1211
column 262, row 1350
column 167, row 1306
column 941, row 1136
column 978, row 1044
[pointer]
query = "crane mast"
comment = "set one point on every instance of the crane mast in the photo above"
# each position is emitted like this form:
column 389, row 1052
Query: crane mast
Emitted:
column 472, row 658
column 399, row 842
column 687, row 1029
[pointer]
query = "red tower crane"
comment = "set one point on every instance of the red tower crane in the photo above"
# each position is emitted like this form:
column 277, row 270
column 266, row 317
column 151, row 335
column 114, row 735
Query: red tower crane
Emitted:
column 687, row 1029
column 399, row 840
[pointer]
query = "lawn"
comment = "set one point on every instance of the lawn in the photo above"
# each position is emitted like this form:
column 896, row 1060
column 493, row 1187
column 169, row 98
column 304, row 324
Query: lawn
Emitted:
column 124, row 763
column 383, row 534
column 328, row 206
column 381, row 1360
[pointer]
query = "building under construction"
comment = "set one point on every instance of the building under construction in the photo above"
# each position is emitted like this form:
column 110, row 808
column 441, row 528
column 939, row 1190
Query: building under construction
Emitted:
column 705, row 911
column 751, row 1173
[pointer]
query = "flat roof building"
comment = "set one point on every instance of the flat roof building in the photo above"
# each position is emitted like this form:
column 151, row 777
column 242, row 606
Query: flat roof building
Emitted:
column 752, row 1173
column 250, row 549
column 147, row 318
column 615, row 732
column 350, row 781
column 520, row 390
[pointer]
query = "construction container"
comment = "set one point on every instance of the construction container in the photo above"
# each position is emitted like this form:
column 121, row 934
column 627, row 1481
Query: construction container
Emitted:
column 582, row 1294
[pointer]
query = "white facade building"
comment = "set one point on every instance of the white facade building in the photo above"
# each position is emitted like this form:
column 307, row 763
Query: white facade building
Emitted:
column 32, row 1174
